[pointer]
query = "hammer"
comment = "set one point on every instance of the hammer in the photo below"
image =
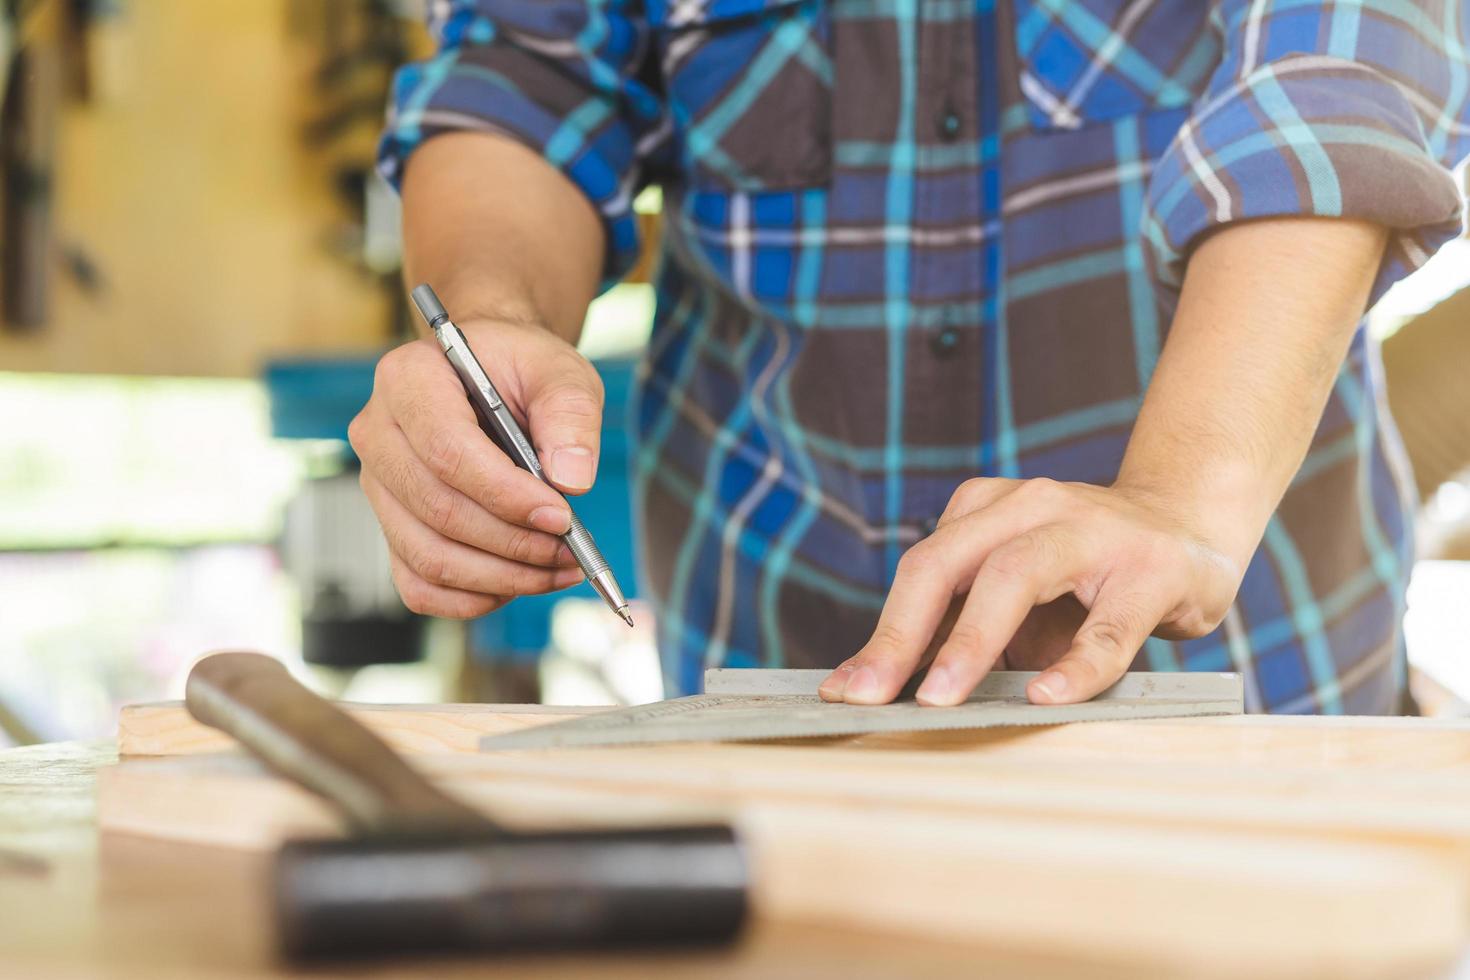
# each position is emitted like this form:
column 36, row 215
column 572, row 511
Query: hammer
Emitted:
column 424, row 872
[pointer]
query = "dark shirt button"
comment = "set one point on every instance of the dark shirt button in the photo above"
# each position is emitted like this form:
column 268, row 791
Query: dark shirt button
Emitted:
column 949, row 124
column 945, row 342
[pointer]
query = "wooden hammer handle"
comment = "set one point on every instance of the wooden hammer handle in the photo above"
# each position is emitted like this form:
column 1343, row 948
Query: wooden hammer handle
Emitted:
column 313, row 742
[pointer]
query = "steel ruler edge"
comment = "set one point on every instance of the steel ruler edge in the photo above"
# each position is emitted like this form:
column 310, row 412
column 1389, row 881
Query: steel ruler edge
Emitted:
column 753, row 704
column 1173, row 685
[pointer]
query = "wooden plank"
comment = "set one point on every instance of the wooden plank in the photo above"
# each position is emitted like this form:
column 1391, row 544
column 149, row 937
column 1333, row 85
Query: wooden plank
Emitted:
column 165, row 728
column 1253, row 741
column 130, row 909
column 1297, row 742
column 1206, row 846
column 1222, row 896
column 1369, row 805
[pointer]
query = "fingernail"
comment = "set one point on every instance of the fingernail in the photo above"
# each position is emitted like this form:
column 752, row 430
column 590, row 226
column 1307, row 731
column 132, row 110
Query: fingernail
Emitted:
column 572, row 467
column 568, row 577
column 833, row 686
column 863, row 687
column 937, row 689
column 1052, row 684
column 553, row 519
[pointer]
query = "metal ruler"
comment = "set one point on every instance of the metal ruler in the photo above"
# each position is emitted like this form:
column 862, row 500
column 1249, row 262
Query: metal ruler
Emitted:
column 749, row 704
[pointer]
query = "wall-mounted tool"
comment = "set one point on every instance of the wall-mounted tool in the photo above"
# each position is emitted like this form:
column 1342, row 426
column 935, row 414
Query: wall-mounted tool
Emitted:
column 27, row 150
column 427, row 873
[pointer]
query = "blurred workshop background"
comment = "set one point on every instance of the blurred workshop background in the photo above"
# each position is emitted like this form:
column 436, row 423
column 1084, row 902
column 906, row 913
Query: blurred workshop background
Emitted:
column 198, row 270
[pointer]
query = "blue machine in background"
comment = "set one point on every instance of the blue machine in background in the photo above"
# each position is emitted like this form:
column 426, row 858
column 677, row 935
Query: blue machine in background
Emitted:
column 317, row 398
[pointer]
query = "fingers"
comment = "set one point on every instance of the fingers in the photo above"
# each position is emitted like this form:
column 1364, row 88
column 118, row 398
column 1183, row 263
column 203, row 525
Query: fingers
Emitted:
column 929, row 575
column 435, row 600
column 835, row 682
column 390, row 464
column 975, row 494
column 1034, row 568
column 915, row 604
column 1120, row 622
column 449, row 565
column 423, row 396
column 564, row 410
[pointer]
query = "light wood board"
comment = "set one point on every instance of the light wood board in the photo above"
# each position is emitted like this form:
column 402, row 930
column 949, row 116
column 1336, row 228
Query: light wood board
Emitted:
column 1209, row 846
column 131, row 909
column 165, row 728
column 1313, row 742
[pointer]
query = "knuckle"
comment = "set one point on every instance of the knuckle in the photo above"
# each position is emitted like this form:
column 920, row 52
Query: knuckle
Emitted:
column 530, row 581
column 576, row 401
column 1043, row 490
column 965, row 637
column 1087, row 672
column 525, row 545
column 442, row 509
column 357, row 432
column 1194, row 622
column 479, row 605
column 493, row 497
column 431, row 565
column 885, row 635
column 920, row 560
column 1014, row 560
column 416, row 598
column 461, row 607
column 1213, row 614
column 444, row 454
column 393, row 365
column 387, row 368
column 1111, row 637
column 971, row 492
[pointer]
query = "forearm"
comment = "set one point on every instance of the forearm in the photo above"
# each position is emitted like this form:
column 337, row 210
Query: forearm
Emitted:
column 1265, row 318
column 500, row 233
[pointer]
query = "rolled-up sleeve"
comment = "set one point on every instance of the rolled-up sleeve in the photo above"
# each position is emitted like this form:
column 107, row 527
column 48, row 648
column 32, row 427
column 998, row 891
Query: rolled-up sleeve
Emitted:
column 560, row 76
column 1354, row 110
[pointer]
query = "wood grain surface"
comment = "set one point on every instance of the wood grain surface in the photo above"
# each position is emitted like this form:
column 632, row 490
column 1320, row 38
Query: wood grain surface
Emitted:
column 75, row 905
column 1255, row 845
column 166, row 728
column 1308, row 741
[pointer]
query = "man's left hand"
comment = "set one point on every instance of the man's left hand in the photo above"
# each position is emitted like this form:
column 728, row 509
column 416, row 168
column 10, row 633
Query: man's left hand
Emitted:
column 1005, row 552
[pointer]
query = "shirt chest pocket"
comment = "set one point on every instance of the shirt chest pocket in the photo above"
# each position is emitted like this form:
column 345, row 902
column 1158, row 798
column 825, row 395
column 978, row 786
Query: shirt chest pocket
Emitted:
column 749, row 87
column 1083, row 62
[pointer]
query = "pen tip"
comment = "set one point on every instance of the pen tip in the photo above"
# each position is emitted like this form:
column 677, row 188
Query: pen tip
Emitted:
column 627, row 617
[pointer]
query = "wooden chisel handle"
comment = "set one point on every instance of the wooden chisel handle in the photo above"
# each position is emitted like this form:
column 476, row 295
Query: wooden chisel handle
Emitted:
column 430, row 874
column 309, row 740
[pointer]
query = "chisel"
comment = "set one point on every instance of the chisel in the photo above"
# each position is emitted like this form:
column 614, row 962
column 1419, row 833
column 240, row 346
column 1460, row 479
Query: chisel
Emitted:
column 425, row 872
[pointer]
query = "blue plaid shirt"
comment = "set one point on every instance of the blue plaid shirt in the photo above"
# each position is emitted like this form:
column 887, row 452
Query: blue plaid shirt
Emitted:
column 908, row 242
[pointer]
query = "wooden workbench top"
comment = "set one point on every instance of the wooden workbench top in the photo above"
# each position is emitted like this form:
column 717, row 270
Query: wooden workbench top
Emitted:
column 1252, row 845
column 74, row 904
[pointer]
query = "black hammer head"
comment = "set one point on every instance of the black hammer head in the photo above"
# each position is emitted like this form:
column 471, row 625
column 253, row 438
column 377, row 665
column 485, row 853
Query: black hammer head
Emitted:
column 554, row 891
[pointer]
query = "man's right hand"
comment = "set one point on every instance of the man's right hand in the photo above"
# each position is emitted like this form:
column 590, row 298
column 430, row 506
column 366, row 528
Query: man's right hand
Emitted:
column 467, row 529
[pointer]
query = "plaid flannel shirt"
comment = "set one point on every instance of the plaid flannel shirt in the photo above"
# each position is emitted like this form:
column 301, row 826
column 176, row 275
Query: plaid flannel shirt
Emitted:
column 909, row 242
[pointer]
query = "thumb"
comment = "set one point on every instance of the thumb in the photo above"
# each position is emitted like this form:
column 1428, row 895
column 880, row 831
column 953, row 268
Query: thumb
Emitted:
column 564, row 412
